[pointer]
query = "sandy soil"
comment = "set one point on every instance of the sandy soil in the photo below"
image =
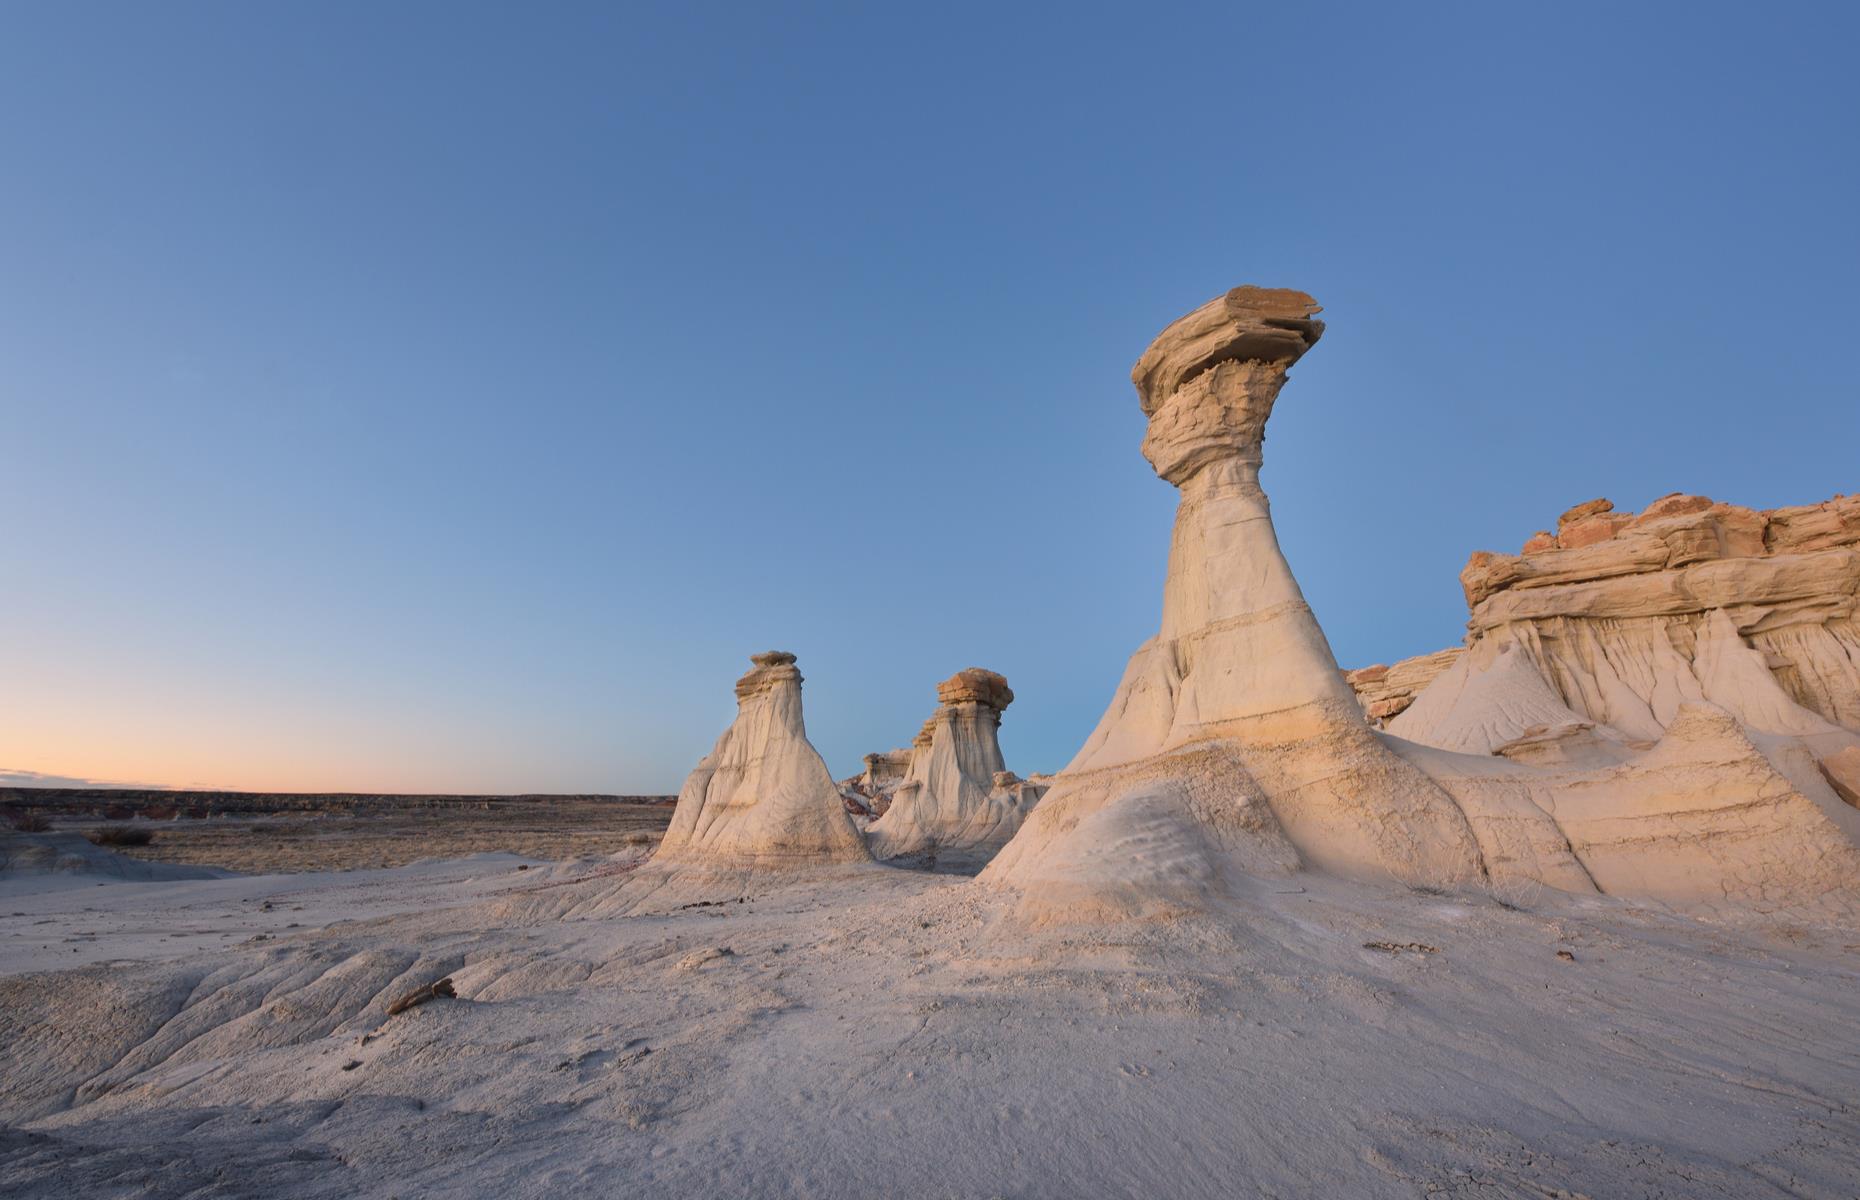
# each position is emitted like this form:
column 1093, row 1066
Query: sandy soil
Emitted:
column 52, row 922
column 392, row 836
column 883, row 1032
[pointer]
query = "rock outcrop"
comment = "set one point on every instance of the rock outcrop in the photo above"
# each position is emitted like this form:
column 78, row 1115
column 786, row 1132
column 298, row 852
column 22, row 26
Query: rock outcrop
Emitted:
column 763, row 796
column 1385, row 691
column 1619, row 619
column 871, row 790
column 1650, row 705
column 957, row 801
column 1233, row 742
column 1679, row 688
column 1714, row 818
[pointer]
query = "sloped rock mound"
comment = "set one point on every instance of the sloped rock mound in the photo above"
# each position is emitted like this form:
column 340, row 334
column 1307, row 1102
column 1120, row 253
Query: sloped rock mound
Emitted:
column 1713, row 819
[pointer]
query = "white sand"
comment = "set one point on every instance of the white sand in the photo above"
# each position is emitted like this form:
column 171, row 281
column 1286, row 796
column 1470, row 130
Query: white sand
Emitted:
column 878, row 1032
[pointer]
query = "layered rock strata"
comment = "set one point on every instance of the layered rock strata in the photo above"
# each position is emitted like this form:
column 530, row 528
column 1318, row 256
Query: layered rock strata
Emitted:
column 1618, row 619
column 1385, row 691
column 1233, row 742
column 1679, row 688
column 957, row 800
column 763, row 796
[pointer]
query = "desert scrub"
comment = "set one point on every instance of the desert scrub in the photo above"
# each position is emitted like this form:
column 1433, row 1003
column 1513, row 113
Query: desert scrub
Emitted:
column 31, row 822
column 121, row 835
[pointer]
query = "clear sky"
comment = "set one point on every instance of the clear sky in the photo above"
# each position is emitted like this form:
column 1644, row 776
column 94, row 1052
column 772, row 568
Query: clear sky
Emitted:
column 450, row 397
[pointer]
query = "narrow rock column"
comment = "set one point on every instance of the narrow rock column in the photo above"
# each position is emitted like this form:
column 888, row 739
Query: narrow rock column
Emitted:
column 946, row 802
column 1242, row 646
column 1240, row 667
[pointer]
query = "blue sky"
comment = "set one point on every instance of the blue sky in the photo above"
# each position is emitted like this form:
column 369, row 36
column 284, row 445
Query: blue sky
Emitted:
column 451, row 397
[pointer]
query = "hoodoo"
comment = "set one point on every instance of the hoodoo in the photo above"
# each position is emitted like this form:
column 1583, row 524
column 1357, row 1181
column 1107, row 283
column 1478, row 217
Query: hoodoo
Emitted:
column 1657, row 705
column 763, row 795
column 1233, row 741
column 949, row 803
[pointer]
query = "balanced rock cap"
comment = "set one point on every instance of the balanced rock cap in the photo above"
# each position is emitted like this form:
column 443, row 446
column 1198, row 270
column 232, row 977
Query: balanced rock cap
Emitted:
column 1248, row 324
column 976, row 685
column 771, row 667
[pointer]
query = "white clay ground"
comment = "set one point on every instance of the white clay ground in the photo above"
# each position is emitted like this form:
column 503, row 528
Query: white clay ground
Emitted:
column 876, row 1032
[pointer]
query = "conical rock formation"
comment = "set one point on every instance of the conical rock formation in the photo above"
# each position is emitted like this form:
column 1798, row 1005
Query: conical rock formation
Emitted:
column 953, row 802
column 763, row 796
column 1233, row 740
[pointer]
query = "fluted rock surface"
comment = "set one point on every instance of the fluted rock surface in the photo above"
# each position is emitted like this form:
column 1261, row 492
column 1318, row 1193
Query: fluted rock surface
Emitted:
column 1619, row 619
column 1679, row 688
column 763, row 796
column 1233, row 741
column 957, row 800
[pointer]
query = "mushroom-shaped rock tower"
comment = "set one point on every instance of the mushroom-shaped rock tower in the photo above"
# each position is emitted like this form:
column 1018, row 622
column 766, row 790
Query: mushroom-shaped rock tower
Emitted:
column 948, row 803
column 1233, row 742
column 763, row 796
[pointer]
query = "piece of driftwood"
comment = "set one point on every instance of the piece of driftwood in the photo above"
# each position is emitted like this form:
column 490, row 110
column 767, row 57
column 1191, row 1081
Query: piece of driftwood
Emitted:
column 419, row 996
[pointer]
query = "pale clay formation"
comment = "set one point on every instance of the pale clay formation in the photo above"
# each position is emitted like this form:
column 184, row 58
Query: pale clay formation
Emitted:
column 1689, row 601
column 957, row 799
column 1234, row 747
column 763, row 796
column 1603, row 646
column 1233, row 743
column 1663, row 705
